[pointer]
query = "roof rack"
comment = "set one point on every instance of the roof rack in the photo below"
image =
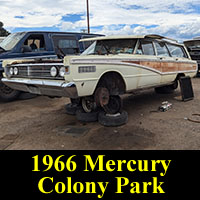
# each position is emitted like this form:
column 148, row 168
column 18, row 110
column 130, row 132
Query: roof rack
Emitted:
column 160, row 37
column 196, row 38
column 152, row 36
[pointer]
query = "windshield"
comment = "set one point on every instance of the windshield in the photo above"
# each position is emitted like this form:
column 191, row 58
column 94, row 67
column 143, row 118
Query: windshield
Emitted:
column 103, row 47
column 90, row 49
column 9, row 42
column 193, row 44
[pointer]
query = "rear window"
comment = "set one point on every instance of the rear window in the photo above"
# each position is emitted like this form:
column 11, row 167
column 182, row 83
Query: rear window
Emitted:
column 176, row 51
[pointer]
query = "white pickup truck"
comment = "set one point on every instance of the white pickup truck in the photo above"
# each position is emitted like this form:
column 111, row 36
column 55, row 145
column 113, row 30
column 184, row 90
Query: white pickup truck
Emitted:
column 110, row 67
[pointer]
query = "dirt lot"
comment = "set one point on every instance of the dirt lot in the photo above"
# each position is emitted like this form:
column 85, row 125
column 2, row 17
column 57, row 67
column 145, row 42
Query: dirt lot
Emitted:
column 42, row 123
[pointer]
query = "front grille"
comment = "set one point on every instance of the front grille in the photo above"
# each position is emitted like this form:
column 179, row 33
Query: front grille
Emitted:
column 38, row 71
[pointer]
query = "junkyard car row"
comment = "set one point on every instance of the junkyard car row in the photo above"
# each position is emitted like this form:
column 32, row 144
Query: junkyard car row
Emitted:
column 110, row 67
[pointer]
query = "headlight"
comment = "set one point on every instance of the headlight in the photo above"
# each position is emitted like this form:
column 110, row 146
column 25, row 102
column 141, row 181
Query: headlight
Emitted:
column 53, row 71
column 16, row 71
column 11, row 71
column 62, row 71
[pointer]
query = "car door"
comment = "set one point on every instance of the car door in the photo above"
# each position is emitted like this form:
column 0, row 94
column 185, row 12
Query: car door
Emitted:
column 150, row 65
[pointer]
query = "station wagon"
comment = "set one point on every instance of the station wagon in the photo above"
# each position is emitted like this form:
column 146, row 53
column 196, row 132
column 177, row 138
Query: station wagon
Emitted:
column 111, row 66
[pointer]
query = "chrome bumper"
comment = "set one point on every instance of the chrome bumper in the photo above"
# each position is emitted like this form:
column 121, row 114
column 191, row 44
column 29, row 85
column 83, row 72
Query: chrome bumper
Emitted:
column 56, row 88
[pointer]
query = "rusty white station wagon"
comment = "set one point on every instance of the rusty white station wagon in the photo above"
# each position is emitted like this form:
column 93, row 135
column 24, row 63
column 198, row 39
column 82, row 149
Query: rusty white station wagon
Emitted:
column 110, row 67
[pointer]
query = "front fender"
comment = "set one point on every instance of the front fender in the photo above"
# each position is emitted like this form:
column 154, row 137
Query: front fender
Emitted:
column 87, row 86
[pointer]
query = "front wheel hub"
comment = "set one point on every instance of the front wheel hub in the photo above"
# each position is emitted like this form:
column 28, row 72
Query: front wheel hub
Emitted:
column 102, row 96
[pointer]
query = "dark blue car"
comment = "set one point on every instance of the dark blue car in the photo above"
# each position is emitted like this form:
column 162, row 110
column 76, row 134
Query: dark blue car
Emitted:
column 38, row 45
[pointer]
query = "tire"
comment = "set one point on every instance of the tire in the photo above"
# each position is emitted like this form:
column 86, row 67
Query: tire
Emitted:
column 113, row 120
column 174, row 86
column 71, row 108
column 87, row 117
column 7, row 94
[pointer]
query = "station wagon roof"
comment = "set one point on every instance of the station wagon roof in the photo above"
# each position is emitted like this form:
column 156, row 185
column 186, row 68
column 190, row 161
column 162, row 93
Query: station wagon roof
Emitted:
column 113, row 37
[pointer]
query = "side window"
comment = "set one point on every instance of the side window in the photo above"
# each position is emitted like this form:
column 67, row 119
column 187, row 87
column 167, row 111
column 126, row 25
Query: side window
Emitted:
column 176, row 51
column 65, row 44
column 145, row 47
column 35, row 42
column 161, row 49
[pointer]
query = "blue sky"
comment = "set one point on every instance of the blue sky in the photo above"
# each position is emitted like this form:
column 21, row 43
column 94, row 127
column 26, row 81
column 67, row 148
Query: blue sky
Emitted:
column 179, row 19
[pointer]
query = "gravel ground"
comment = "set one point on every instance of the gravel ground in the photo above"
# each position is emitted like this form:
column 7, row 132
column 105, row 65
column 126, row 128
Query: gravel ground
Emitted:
column 42, row 123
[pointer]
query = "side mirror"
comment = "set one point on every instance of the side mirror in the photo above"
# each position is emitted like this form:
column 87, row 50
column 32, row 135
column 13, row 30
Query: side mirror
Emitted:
column 26, row 48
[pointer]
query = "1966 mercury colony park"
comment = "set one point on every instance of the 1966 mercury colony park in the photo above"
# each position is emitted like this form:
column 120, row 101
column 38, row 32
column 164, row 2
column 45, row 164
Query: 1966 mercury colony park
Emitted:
column 111, row 66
